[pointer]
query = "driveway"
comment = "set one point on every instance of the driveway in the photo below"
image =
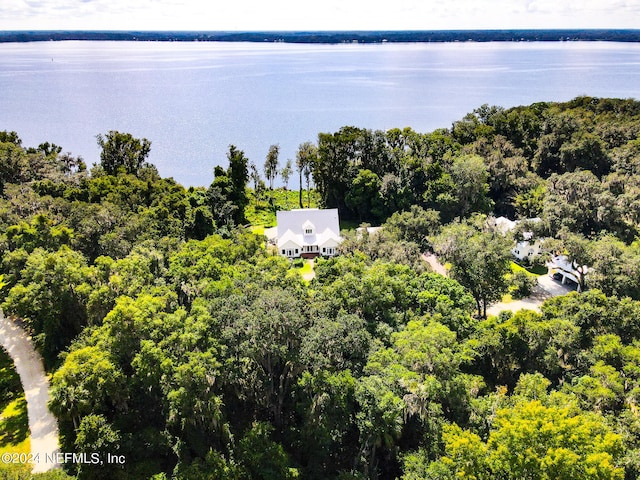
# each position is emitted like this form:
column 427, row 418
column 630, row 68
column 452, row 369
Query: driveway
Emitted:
column 554, row 287
column 436, row 266
column 547, row 287
column 28, row 363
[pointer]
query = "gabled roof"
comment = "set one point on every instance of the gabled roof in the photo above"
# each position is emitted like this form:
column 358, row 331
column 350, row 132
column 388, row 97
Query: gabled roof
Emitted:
column 324, row 223
column 326, row 236
column 504, row 225
column 289, row 236
column 562, row 262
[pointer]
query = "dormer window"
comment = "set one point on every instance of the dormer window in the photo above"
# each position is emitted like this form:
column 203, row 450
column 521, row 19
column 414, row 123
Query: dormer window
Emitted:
column 308, row 228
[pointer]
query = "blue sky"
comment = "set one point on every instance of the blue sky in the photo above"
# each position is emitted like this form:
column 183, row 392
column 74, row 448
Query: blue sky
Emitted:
column 316, row 14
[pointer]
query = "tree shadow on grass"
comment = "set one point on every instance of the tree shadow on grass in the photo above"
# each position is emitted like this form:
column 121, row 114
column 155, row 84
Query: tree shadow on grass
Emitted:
column 14, row 423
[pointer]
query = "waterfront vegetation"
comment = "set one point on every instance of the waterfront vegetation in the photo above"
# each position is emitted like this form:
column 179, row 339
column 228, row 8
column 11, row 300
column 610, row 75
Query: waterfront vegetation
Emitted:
column 176, row 339
column 261, row 212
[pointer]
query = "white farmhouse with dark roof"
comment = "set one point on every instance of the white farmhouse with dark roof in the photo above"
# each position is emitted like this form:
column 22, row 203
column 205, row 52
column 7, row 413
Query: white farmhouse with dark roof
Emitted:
column 308, row 232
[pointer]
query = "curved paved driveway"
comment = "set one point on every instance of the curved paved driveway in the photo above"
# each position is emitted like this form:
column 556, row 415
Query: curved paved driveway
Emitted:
column 28, row 363
column 546, row 288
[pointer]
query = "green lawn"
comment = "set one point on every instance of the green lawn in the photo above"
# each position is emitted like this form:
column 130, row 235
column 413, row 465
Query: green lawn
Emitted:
column 257, row 229
column 10, row 386
column 536, row 270
column 14, row 423
column 14, row 428
column 262, row 212
column 506, row 298
column 305, row 268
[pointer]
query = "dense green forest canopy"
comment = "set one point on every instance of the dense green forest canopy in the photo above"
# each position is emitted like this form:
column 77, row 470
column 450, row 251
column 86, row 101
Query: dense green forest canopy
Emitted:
column 176, row 337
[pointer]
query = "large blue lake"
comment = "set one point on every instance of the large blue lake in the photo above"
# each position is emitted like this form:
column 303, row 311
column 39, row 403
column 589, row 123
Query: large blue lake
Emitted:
column 194, row 99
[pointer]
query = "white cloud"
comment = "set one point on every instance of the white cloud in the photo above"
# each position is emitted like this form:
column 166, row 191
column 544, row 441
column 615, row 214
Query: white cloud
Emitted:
column 316, row 15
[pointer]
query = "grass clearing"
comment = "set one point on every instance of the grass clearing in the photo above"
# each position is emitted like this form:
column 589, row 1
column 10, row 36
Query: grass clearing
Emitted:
column 10, row 386
column 517, row 268
column 257, row 229
column 306, row 268
column 14, row 428
column 507, row 298
column 14, row 422
column 536, row 270
column 262, row 211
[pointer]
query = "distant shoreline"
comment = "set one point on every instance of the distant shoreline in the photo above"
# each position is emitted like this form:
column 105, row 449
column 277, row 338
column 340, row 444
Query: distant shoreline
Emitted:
column 330, row 37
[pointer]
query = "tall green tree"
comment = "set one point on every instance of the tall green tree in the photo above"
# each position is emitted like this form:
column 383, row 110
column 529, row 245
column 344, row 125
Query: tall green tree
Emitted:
column 285, row 173
column 416, row 225
column 305, row 160
column 238, row 177
column 271, row 165
column 10, row 137
column 13, row 163
column 122, row 152
column 258, row 183
column 536, row 441
column 265, row 342
column 479, row 257
column 47, row 297
column 379, row 421
column 364, row 196
column 615, row 267
column 339, row 154
column 470, row 178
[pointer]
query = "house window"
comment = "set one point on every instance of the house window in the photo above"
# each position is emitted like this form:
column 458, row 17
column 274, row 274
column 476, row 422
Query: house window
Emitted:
column 308, row 231
column 324, row 250
column 283, row 251
column 296, row 251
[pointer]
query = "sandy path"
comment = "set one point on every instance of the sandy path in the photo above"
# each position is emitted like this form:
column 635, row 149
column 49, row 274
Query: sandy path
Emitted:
column 28, row 363
column 436, row 266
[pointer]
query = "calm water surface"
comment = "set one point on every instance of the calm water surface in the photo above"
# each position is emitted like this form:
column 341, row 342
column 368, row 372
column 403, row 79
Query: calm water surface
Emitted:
column 194, row 99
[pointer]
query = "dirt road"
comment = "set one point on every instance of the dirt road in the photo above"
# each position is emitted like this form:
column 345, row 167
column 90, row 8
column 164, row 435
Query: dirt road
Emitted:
column 28, row 363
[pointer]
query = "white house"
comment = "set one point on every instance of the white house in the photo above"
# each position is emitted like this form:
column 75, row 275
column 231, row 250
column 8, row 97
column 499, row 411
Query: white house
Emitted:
column 308, row 232
column 504, row 225
column 568, row 270
column 527, row 248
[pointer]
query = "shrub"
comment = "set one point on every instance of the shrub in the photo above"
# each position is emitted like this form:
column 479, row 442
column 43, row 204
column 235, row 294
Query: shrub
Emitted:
column 521, row 284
